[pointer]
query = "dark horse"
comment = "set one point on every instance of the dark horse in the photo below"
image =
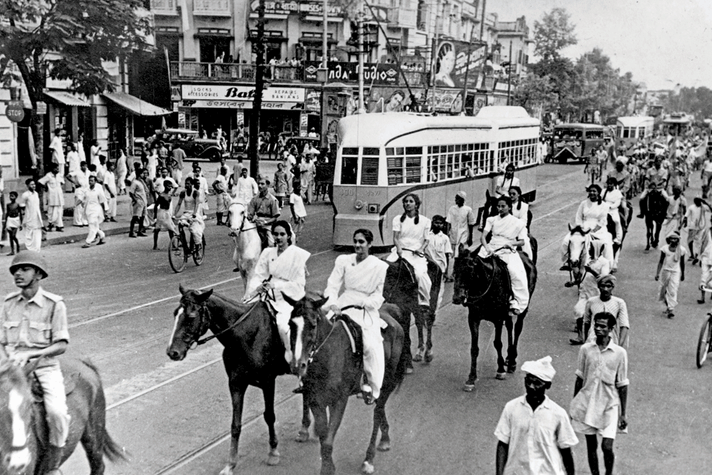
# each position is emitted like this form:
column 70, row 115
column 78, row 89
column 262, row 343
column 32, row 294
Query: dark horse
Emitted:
column 253, row 354
column 654, row 210
column 401, row 289
column 328, row 357
column 23, row 439
column 482, row 284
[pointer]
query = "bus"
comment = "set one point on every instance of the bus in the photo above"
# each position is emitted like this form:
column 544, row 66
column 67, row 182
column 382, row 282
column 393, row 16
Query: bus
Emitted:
column 632, row 129
column 382, row 157
column 677, row 123
column 577, row 141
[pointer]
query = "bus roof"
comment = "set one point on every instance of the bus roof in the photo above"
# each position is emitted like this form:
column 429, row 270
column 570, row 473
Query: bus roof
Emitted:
column 635, row 121
column 380, row 128
column 677, row 119
column 578, row 125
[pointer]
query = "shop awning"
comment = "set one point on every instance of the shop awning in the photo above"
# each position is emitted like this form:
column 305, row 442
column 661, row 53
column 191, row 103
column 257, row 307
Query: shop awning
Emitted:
column 135, row 105
column 66, row 98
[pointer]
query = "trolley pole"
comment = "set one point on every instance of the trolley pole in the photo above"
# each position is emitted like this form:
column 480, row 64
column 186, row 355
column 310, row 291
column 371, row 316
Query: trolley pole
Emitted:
column 253, row 151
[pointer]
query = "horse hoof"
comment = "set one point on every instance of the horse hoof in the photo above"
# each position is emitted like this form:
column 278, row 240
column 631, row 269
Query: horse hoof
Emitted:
column 511, row 368
column 367, row 467
column 384, row 446
column 469, row 386
column 499, row 376
column 303, row 436
column 418, row 357
column 429, row 356
column 228, row 470
column 409, row 370
column 273, row 458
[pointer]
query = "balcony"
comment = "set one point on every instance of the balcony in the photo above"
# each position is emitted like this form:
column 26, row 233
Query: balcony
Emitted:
column 191, row 71
column 219, row 8
column 164, row 7
column 402, row 18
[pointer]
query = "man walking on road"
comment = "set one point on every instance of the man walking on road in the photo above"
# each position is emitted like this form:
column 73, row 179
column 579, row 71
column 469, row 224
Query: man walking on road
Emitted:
column 138, row 193
column 80, row 180
column 535, row 435
column 32, row 216
column 606, row 302
column 95, row 204
column 600, row 392
column 54, row 183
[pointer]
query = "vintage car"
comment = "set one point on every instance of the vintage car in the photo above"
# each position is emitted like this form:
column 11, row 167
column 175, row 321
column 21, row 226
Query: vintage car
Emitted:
column 192, row 145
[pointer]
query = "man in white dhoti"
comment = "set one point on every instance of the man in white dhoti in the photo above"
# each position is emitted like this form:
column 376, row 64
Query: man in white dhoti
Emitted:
column 80, row 180
column 675, row 212
column 95, row 204
column 508, row 233
column 280, row 269
column 696, row 224
column 32, row 216
column 410, row 236
column 362, row 277
column 592, row 215
column 57, row 148
column 461, row 221
column 54, row 182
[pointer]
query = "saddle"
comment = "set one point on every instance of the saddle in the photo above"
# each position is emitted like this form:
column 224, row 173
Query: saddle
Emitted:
column 70, row 383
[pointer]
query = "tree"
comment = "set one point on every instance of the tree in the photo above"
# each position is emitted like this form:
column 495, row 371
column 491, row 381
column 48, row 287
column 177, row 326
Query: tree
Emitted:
column 68, row 40
column 552, row 34
column 535, row 92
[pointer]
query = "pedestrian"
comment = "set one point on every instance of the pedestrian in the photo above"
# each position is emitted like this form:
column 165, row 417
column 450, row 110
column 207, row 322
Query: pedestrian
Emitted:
column 164, row 213
column 32, row 216
column 263, row 210
column 306, row 177
column 706, row 263
column 607, row 302
column 439, row 250
column 534, row 433
column 138, row 193
column 237, row 169
column 72, row 159
column 94, row 152
column 95, row 204
column 110, row 191
column 299, row 211
column 281, row 184
column 675, row 211
column 80, row 180
column 460, row 221
column 695, row 222
column 672, row 265
column 221, row 197
column 54, row 183
column 245, row 188
column 600, row 392
column 13, row 223
column 121, row 172
column 57, row 147
column 178, row 157
column 22, row 313
column 152, row 163
column 588, row 287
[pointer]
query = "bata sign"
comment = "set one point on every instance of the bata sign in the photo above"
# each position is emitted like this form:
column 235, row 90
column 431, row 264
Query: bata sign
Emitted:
column 241, row 93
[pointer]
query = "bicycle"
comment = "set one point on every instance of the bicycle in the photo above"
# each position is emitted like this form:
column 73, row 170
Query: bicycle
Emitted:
column 182, row 246
column 704, row 342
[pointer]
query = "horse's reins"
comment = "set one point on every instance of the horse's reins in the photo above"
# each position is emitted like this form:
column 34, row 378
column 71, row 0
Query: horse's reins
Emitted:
column 202, row 341
column 489, row 286
column 314, row 351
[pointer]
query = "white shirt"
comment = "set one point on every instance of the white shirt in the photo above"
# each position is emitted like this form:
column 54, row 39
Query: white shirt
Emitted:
column 298, row 203
column 244, row 190
column 612, row 198
column 412, row 236
column 502, row 186
column 590, row 215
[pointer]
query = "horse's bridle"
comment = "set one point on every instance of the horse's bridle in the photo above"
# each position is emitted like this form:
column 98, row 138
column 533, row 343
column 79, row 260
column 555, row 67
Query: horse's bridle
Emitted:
column 398, row 276
column 205, row 321
column 471, row 300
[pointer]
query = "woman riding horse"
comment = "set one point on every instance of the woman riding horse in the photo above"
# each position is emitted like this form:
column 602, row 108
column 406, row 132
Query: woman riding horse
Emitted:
column 361, row 276
column 280, row 269
column 592, row 215
column 521, row 210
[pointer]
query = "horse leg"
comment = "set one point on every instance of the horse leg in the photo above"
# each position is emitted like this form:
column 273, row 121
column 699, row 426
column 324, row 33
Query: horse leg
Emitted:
column 268, row 395
column 237, row 390
column 92, row 441
column 498, row 347
column 379, row 420
column 474, row 324
column 658, row 228
column 303, row 435
column 648, row 233
column 405, row 323
column 514, row 342
column 430, row 321
column 336, row 414
column 419, row 324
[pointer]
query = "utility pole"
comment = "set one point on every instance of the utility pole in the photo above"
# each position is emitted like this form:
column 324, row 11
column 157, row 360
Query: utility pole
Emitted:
column 359, row 23
column 259, row 47
column 509, row 75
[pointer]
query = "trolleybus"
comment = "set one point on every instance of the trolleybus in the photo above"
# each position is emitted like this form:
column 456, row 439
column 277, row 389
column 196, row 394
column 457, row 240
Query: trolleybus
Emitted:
column 383, row 157
column 631, row 129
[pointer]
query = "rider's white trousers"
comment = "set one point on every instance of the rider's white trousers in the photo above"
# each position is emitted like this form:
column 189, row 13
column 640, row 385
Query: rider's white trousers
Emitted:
column 518, row 278
column 374, row 360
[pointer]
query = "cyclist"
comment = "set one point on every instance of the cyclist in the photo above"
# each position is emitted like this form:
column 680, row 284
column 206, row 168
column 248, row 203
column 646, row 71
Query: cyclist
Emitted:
column 191, row 215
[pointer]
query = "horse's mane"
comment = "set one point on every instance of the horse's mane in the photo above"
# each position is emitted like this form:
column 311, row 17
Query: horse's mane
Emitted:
column 13, row 374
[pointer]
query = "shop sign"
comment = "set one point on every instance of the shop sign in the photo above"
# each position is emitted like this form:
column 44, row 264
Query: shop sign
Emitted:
column 451, row 65
column 373, row 73
column 15, row 111
column 313, row 101
column 447, row 100
column 220, row 104
column 240, row 93
column 297, row 6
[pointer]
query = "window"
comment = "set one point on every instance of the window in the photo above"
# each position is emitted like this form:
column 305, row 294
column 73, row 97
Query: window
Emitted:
column 403, row 163
column 163, row 5
column 641, row 132
column 213, row 46
column 369, row 166
column 211, row 7
column 349, row 165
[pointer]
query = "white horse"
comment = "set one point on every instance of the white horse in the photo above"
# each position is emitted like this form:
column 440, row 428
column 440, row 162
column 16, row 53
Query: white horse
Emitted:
column 247, row 242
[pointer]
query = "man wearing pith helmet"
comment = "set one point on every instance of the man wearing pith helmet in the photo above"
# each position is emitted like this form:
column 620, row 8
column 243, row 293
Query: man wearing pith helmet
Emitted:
column 33, row 325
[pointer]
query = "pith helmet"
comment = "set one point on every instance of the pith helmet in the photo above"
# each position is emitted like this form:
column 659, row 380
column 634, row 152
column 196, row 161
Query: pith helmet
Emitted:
column 30, row 258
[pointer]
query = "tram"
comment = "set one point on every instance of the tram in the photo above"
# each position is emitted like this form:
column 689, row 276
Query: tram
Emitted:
column 677, row 123
column 631, row 129
column 383, row 157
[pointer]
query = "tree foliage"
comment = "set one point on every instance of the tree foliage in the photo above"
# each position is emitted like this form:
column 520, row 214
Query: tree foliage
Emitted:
column 552, row 34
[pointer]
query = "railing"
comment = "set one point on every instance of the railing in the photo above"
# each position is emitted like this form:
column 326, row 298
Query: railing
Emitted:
column 187, row 70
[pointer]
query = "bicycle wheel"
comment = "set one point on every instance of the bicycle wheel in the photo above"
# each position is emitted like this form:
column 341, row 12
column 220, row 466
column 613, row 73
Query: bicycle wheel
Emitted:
column 198, row 256
column 176, row 254
column 703, row 344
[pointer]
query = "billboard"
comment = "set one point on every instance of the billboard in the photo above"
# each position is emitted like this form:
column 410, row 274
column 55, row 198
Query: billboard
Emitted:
column 451, row 65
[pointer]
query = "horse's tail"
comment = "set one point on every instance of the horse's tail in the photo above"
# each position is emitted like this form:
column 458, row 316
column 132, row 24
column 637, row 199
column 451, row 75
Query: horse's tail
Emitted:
column 401, row 366
column 112, row 450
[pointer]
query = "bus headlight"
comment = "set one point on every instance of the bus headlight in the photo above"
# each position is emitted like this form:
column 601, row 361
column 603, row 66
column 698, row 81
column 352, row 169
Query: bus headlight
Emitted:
column 358, row 204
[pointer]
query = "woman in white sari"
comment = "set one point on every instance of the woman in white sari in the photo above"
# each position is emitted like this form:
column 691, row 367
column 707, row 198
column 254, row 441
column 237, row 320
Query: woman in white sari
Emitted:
column 362, row 277
column 520, row 210
column 280, row 269
column 410, row 236
column 592, row 215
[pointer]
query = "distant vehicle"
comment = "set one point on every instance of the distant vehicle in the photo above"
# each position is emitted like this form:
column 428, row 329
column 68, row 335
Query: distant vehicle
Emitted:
column 300, row 141
column 631, row 129
column 677, row 123
column 194, row 147
column 576, row 141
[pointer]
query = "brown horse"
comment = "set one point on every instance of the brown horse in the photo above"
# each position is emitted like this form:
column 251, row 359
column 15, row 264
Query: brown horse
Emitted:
column 330, row 364
column 24, row 435
column 253, row 355
column 483, row 285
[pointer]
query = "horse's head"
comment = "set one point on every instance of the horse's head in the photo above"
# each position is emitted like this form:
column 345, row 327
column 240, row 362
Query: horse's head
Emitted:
column 303, row 325
column 191, row 322
column 469, row 271
column 578, row 246
column 16, row 414
column 237, row 217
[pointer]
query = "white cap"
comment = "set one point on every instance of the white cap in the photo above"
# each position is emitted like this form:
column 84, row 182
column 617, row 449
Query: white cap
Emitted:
column 542, row 368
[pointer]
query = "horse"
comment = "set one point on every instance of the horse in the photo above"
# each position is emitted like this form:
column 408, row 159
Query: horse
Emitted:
column 579, row 254
column 401, row 289
column 654, row 211
column 473, row 274
column 328, row 358
column 253, row 354
column 23, row 439
column 248, row 245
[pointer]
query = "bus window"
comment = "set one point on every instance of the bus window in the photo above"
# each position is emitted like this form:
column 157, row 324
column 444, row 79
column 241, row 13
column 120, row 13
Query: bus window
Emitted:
column 412, row 165
column 433, row 163
column 395, row 165
column 369, row 166
column 641, row 132
column 349, row 168
column 403, row 162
